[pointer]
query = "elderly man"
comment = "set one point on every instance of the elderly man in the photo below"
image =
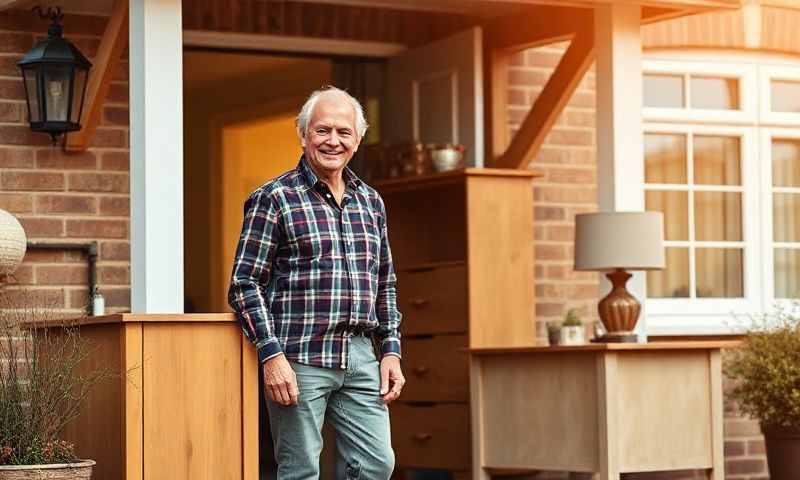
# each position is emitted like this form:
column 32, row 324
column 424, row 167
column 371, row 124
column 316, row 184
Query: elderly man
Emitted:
column 313, row 284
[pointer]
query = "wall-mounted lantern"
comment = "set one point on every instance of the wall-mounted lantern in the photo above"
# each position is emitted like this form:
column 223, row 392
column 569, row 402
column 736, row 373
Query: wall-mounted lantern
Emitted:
column 54, row 73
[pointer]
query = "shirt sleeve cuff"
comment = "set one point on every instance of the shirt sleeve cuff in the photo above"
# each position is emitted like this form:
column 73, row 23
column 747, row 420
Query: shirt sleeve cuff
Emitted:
column 391, row 346
column 271, row 348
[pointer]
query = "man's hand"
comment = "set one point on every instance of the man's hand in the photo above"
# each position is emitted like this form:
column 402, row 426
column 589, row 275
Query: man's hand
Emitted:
column 280, row 381
column 392, row 379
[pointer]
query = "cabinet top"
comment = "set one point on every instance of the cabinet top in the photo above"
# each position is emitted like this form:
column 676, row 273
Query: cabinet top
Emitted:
column 605, row 347
column 453, row 176
column 154, row 318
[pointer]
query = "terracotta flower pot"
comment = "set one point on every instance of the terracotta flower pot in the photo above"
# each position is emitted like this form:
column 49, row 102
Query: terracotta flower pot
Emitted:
column 783, row 452
column 58, row 471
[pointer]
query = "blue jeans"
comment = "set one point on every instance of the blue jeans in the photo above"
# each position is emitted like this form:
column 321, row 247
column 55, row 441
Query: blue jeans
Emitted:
column 350, row 400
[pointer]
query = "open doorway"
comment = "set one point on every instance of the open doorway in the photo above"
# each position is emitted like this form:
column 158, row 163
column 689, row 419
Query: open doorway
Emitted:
column 239, row 133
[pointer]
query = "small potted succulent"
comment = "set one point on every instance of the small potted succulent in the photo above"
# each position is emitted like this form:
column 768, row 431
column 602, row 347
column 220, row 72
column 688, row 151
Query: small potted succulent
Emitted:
column 554, row 333
column 572, row 331
column 41, row 391
column 765, row 371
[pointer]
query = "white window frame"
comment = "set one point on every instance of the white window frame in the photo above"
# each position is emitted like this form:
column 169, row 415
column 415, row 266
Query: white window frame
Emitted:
column 767, row 73
column 746, row 74
column 768, row 255
column 713, row 315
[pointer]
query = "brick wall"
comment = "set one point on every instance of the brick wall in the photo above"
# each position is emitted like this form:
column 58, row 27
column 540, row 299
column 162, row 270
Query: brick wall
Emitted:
column 568, row 162
column 62, row 197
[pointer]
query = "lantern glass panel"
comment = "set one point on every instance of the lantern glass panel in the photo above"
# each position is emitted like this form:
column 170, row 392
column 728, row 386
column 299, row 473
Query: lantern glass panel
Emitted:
column 77, row 95
column 56, row 92
column 31, row 74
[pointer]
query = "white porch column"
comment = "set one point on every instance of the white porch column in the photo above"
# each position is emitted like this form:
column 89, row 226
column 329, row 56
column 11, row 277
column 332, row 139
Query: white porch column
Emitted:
column 156, row 156
column 620, row 162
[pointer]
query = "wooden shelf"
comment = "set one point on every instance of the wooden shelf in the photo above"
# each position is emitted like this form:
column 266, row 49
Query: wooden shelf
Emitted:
column 453, row 176
column 432, row 265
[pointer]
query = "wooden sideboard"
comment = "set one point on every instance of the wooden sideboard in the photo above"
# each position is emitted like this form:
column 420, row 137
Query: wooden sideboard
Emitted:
column 462, row 244
column 183, row 404
column 606, row 409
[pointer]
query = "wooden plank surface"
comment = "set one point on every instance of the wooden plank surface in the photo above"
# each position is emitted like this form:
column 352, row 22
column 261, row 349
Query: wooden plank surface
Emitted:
column 411, row 183
column 192, row 405
column 132, row 404
column 154, row 317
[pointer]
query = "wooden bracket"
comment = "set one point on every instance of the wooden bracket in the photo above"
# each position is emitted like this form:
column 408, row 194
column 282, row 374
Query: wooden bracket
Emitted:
column 551, row 101
column 114, row 41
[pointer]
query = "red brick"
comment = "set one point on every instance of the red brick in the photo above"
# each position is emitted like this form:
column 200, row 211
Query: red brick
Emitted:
column 571, row 175
column 116, row 116
column 113, row 275
column 11, row 112
column 118, row 93
column 745, row 466
column 41, row 297
column 66, row 204
column 38, row 181
column 570, row 137
column 8, row 65
column 517, row 97
column 110, row 138
column 756, row 447
column 538, row 232
column 550, row 292
column 42, row 227
column 117, row 297
column 549, row 309
column 62, row 274
column 527, row 78
column 561, row 194
column 550, row 252
column 115, row 161
column 115, row 206
column 16, row 202
column 15, row 42
column 579, row 119
column 562, row 233
column 516, row 115
column 582, row 100
column 582, row 292
column 58, row 159
column 22, row 135
column 97, row 228
column 12, row 89
column 98, row 182
column 23, row 275
column 741, row 427
column 77, row 297
column 548, row 213
column 16, row 158
column 115, row 251
column 43, row 256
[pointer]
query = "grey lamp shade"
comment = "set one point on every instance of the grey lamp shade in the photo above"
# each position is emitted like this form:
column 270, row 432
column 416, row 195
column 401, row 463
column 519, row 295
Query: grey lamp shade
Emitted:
column 611, row 240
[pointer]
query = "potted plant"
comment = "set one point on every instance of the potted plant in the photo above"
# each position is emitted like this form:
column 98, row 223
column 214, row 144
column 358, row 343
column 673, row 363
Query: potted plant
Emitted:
column 42, row 388
column 766, row 374
column 572, row 331
column 554, row 333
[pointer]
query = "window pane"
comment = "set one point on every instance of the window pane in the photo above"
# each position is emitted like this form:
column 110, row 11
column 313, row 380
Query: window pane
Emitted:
column 665, row 158
column 675, row 207
column 717, row 160
column 786, row 217
column 715, row 93
column 718, row 216
column 673, row 281
column 786, row 163
column 719, row 273
column 787, row 273
column 785, row 96
column 663, row 91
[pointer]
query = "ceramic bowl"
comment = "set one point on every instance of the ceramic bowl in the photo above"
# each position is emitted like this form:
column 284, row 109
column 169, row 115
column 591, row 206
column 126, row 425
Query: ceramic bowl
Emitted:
column 447, row 158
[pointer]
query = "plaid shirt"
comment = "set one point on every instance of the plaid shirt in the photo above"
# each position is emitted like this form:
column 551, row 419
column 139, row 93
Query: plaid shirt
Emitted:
column 308, row 274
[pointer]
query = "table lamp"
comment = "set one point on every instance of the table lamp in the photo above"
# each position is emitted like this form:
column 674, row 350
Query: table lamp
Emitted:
column 614, row 242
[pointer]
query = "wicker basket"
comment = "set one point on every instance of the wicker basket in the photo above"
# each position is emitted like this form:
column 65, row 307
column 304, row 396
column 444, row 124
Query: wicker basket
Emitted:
column 58, row 471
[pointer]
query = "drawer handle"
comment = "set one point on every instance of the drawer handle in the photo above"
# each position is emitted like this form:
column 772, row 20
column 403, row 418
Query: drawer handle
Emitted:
column 422, row 437
column 420, row 371
column 419, row 302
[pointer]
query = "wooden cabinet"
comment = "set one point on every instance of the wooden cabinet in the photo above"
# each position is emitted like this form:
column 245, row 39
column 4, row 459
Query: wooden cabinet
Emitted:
column 462, row 243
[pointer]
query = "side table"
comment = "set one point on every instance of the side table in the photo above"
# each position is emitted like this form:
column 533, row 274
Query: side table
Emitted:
column 600, row 408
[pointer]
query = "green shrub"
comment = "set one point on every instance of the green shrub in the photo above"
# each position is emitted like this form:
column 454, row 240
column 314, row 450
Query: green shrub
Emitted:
column 766, row 369
column 572, row 318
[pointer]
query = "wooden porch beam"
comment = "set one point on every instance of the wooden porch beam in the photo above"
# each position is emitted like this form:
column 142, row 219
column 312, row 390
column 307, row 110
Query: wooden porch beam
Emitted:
column 114, row 41
column 551, row 101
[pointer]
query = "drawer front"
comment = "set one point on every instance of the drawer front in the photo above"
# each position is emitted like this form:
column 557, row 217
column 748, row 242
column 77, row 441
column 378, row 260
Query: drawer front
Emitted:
column 431, row 436
column 433, row 301
column 436, row 369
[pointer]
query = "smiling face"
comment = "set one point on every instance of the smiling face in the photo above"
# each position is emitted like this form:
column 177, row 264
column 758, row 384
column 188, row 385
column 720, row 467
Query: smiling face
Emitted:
column 331, row 137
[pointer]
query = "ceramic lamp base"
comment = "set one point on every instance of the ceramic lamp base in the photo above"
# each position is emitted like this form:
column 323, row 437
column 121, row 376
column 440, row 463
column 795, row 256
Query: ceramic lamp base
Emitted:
column 619, row 311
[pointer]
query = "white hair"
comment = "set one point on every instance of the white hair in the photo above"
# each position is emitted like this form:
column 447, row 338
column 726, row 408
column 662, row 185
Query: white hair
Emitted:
column 308, row 109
